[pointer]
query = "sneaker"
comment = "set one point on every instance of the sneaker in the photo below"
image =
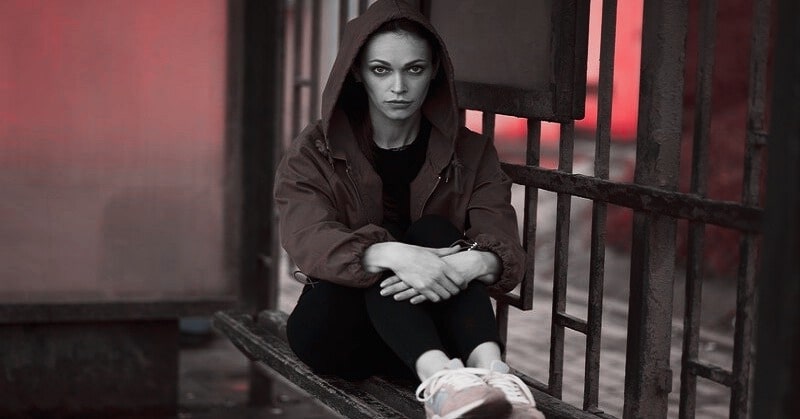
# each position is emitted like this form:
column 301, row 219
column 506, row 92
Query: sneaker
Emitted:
column 458, row 392
column 517, row 392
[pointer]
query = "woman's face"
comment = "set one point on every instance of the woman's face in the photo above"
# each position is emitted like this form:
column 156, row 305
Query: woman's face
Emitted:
column 396, row 69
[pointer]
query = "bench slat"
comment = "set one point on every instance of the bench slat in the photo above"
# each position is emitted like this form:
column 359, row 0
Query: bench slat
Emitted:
column 344, row 397
column 265, row 341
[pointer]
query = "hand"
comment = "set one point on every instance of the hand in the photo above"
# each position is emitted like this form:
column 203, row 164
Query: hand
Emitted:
column 475, row 264
column 423, row 271
column 483, row 266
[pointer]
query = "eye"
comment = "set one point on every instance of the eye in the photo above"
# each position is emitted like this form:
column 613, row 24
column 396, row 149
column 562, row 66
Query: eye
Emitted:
column 379, row 70
column 417, row 69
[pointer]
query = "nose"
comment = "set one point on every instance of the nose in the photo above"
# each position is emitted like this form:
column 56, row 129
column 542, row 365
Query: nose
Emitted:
column 399, row 84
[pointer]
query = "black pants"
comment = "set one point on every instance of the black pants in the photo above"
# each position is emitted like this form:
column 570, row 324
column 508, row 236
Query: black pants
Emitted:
column 355, row 332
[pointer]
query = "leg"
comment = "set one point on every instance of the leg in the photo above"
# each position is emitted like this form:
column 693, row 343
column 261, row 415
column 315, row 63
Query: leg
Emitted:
column 466, row 321
column 408, row 329
column 329, row 330
column 467, row 325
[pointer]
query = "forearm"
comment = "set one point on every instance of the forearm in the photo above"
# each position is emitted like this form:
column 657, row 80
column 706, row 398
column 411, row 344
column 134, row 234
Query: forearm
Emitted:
column 380, row 256
column 478, row 265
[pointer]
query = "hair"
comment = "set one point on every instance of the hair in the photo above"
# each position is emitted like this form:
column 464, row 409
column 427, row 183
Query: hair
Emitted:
column 354, row 100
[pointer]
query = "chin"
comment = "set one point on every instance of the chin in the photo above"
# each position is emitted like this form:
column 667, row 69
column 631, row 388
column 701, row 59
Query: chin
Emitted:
column 399, row 114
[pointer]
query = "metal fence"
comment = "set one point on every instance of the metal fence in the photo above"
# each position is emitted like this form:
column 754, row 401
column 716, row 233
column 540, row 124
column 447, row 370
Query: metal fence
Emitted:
column 653, row 196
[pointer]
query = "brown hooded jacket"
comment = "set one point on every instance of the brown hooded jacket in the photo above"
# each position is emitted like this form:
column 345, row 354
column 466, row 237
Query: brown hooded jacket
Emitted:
column 329, row 197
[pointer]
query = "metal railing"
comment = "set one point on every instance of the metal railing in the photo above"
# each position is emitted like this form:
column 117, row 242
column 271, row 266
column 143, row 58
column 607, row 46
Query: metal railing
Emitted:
column 654, row 197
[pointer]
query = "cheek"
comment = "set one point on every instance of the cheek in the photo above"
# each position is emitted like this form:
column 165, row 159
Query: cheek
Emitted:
column 373, row 86
column 422, row 85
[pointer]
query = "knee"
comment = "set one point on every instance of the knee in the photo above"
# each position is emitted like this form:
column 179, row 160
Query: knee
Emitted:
column 314, row 346
column 432, row 231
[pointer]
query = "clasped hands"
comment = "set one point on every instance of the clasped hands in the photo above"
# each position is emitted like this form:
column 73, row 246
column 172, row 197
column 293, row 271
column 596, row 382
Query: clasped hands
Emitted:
column 428, row 274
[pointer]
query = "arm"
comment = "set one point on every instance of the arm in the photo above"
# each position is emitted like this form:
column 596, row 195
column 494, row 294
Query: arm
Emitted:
column 470, row 265
column 492, row 224
column 419, row 269
column 310, row 225
column 492, row 221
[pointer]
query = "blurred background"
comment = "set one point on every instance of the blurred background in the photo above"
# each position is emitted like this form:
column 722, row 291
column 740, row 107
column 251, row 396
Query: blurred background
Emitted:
column 121, row 177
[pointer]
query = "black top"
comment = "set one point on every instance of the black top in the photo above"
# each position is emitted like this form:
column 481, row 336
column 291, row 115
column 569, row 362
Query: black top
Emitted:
column 397, row 168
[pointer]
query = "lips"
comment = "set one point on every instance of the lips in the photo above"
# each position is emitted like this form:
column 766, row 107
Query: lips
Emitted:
column 399, row 103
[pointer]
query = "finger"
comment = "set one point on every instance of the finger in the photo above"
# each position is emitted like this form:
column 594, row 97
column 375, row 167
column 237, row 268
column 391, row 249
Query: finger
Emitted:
column 418, row 299
column 451, row 287
column 455, row 277
column 441, row 291
column 390, row 281
column 430, row 295
column 394, row 289
column 405, row 295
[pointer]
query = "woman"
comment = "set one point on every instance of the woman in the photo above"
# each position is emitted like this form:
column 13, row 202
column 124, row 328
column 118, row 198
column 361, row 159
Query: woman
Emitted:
column 402, row 220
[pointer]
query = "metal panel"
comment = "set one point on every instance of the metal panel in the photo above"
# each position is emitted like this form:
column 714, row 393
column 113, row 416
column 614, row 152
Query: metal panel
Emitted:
column 558, row 93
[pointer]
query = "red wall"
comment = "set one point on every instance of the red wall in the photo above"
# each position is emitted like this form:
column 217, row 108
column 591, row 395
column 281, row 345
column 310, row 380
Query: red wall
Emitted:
column 111, row 147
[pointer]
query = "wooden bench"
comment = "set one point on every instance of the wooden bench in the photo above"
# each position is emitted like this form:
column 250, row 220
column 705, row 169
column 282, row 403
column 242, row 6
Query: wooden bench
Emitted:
column 263, row 339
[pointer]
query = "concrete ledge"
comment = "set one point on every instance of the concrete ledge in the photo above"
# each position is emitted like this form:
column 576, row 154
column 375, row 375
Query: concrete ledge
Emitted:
column 100, row 369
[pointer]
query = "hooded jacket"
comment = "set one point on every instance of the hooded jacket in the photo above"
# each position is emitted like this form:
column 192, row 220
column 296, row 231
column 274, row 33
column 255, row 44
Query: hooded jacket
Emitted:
column 329, row 197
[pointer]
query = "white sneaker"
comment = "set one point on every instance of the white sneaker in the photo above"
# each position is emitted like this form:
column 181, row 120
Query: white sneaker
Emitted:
column 516, row 391
column 458, row 392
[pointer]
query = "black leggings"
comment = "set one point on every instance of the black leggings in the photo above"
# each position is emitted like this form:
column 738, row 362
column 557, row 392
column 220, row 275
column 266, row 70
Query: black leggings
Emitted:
column 355, row 332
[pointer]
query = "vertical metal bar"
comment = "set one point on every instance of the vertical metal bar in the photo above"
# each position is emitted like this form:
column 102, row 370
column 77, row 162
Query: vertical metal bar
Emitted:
column 501, row 315
column 487, row 122
column 344, row 14
column 597, row 255
column 695, row 262
column 314, row 91
column 234, row 127
column 262, row 81
column 561, row 264
column 648, row 378
column 777, row 383
column 532, row 158
column 745, row 294
column 297, row 67
column 362, row 6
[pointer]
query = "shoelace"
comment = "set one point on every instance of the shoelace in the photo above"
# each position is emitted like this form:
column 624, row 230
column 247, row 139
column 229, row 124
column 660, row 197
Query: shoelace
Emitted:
column 459, row 378
column 515, row 389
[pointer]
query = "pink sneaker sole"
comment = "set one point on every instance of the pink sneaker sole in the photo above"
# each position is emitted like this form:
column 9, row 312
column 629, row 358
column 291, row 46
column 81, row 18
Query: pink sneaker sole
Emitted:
column 480, row 409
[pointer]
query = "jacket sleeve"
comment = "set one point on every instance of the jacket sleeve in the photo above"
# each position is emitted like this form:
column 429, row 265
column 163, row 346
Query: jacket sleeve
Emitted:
column 311, row 228
column 492, row 221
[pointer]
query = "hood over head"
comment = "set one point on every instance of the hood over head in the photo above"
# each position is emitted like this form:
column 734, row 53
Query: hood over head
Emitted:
column 440, row 107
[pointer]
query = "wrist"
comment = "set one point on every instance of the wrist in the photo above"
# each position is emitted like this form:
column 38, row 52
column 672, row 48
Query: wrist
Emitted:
column 379, row 256
column 489, row 266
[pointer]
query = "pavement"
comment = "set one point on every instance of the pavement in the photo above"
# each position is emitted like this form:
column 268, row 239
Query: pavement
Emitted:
column 214, row 376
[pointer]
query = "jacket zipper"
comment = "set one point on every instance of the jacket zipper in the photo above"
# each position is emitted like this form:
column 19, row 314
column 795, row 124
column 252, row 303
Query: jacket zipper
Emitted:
column 424, row 203
column 355, row 187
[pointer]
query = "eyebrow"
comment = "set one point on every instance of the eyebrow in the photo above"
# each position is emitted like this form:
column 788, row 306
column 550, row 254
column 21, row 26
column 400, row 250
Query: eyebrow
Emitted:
column 386, row 63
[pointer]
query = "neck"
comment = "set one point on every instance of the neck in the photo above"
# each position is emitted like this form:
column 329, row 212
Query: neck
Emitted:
column 387, row 133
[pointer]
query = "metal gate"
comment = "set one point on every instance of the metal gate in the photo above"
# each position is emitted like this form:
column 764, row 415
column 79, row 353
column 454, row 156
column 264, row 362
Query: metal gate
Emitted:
column 653, row 196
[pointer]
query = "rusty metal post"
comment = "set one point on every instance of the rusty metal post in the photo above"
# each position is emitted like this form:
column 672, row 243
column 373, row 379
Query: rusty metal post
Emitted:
column 648, row 378
column 260, row 132
column 777, row 367
column 261, row 63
